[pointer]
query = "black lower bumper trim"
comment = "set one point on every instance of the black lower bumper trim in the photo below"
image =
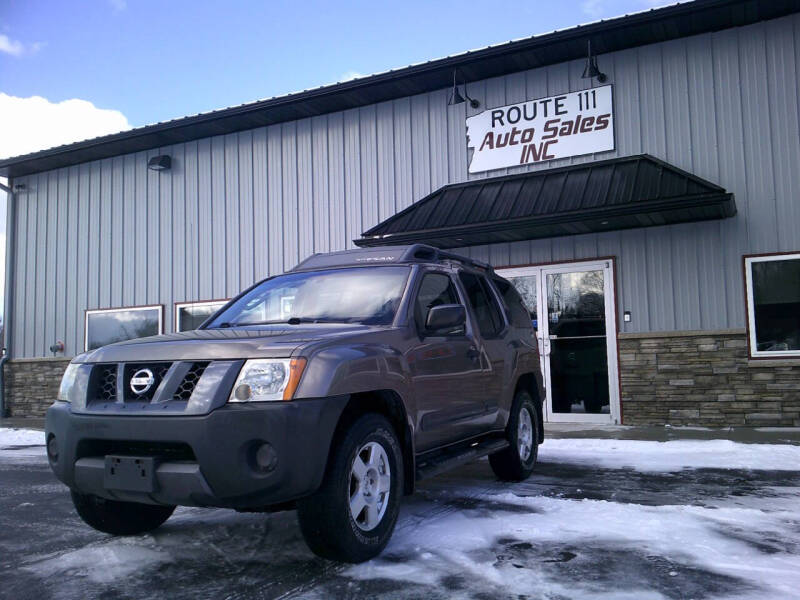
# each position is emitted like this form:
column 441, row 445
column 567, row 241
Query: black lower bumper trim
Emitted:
column 218, row 466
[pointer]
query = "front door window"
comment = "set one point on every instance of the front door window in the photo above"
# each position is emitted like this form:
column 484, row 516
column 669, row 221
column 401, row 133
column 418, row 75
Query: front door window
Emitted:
column 576, row 326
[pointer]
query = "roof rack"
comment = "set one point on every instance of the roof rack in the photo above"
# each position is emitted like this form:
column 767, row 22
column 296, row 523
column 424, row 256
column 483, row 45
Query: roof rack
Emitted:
column 384, row 255
column 424, row 252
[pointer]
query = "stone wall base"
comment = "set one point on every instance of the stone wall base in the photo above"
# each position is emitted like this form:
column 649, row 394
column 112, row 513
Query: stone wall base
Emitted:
column 32, row 385
column 706, row 380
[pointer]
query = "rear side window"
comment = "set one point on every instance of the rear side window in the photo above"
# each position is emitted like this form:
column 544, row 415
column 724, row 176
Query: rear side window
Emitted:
column 518, row 314
column 487, row 311
column 436, row 289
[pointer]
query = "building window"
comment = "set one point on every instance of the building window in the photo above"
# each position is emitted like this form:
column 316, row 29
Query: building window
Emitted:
column 773, row 304
column 190, row 315
column 109, row 325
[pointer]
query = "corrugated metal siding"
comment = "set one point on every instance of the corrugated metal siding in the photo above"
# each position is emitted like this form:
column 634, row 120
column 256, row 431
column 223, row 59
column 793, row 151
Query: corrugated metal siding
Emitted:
column 239, row 207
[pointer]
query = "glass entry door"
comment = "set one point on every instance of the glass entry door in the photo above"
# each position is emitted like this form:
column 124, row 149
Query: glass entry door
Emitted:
column 572, row 310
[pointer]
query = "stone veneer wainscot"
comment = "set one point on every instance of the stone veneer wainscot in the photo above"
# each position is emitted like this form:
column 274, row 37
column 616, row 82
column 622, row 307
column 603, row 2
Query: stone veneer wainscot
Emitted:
column 32, row 385
column 704, row 378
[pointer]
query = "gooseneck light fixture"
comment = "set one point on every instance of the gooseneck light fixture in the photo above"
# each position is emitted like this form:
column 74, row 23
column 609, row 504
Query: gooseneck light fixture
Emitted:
column 457, row 98
column 162, row 162
column 591, row 69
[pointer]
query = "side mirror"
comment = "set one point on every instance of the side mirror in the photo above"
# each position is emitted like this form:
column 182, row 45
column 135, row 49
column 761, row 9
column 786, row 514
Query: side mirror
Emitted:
column 445, row 316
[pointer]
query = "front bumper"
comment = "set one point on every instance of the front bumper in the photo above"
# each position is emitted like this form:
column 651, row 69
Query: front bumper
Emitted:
column 220, row 468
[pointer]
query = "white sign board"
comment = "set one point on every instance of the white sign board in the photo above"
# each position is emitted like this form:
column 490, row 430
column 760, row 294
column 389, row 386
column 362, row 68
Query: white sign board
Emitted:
column 540, row 130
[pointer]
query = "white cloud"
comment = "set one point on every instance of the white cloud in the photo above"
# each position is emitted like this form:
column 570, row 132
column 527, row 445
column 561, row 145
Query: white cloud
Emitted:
column 348, row 75
column 593, row 8
column 35, row 123
column 17, row 48
column 599, row 9
column 9, row 46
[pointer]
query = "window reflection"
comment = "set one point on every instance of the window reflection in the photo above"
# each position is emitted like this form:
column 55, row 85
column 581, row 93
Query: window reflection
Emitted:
column 111, row 326
column 191, row 316
column 776, row 299
column 575, row 304
column 526, row 286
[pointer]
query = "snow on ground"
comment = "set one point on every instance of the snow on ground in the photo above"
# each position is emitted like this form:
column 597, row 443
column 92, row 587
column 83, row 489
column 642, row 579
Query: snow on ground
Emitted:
column 673, row 455
column 600, row 519
column 21, row 442
column 10, row 437
column 513, row 549
column 734, row 547
column 106, row 562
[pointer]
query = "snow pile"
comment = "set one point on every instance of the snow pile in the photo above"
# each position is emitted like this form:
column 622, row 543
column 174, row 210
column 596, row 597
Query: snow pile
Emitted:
column 505, row 543
column 513, row 552
column 21, row 442
column 105, row 562
column 671, row 456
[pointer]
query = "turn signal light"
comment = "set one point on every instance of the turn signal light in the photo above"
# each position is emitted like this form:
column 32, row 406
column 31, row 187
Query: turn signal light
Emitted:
column 296, row 368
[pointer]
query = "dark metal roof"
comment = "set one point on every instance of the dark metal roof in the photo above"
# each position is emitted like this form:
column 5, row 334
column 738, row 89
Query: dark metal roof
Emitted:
column 656, row 25
column 621, row 193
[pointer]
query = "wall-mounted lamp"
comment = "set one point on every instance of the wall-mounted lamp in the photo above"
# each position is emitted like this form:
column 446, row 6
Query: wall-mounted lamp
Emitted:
column 162, row 162
column 457, row 98
column 591, row 69
column 19, row 187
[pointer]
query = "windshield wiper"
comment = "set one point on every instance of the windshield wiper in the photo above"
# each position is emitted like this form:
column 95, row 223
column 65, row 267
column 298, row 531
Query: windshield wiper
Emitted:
column 299, row 320
column 290, row 321
column 246, row 323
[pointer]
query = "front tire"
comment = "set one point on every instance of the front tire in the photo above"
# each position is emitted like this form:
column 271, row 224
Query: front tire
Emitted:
column 352, row 515
column 516, row 462
column 117, row 517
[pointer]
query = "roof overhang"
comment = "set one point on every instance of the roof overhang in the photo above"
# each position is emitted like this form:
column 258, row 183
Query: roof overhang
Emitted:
column 621, row 193
column 610, row 35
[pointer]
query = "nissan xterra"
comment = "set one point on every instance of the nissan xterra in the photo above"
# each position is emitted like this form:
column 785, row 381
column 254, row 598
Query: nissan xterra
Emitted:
column 331, row 389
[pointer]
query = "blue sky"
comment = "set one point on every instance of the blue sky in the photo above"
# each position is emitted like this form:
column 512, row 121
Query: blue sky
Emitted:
column 72, row 70
column 156, row 60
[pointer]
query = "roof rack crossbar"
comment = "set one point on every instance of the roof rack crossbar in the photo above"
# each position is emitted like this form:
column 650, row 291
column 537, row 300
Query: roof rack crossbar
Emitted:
column 426, row 252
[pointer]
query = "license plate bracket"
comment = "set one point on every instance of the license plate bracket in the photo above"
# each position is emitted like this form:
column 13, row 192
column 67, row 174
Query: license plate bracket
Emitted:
column 130, row 473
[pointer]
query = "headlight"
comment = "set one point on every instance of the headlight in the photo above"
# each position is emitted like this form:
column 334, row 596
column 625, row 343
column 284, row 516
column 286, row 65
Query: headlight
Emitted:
column 268, row 380
column 67, row 381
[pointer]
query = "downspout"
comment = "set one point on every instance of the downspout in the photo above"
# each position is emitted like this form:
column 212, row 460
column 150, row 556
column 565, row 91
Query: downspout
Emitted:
column 9, row 286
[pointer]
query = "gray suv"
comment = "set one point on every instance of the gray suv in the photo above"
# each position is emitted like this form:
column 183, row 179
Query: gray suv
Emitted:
column 331, row 389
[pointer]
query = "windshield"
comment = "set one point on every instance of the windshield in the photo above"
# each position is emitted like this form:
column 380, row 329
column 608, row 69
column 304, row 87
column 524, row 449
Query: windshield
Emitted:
column 368, row 295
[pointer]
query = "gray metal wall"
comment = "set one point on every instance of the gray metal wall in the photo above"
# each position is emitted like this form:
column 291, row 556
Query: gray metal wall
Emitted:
column 239, row 207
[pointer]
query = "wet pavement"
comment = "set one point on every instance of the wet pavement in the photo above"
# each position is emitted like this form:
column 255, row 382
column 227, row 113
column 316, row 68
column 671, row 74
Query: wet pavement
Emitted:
column 573, row 530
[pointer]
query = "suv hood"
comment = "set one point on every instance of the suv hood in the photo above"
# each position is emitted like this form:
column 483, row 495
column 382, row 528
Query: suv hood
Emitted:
column 273, row 341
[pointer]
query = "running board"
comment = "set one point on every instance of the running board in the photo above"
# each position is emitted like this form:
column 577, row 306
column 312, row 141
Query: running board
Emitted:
column 455, row 458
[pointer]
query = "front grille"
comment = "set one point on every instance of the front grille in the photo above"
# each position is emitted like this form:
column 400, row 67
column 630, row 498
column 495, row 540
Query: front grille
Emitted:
column 104, row 383
column 186, row 387
column 169, row 451
column 181, row 383
column 159, row 370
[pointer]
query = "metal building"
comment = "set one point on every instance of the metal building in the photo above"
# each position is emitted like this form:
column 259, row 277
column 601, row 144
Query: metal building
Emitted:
column 646, row 207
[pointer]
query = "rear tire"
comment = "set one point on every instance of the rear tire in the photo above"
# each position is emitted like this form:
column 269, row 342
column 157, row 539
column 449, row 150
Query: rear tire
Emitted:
column 117, row 517
column 352, row 515
column 516, row 462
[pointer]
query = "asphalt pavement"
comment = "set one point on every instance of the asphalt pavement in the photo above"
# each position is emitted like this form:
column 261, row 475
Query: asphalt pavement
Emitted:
column 573, row 530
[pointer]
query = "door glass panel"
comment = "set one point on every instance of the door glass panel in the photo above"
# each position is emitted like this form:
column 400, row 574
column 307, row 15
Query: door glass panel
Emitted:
column 486, row 310
column 579, row 375
column 578, row 351
column 436, row 289
column 526, row 286
column 575, row 304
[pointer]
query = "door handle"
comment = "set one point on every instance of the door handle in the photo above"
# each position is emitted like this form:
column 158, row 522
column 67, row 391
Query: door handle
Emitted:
column 473, row 354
